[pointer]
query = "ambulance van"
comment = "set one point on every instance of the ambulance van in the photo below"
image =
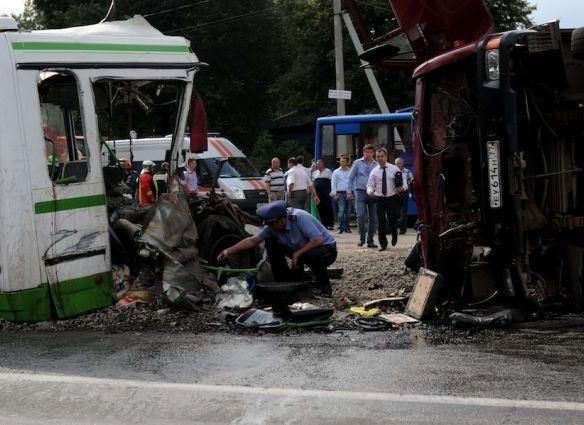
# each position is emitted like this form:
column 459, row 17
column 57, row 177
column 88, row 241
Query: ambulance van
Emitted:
column 237, row 178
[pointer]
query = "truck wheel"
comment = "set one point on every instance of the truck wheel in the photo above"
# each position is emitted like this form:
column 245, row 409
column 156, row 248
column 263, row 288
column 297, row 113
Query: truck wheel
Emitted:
column 218, row 232
column 578, row 43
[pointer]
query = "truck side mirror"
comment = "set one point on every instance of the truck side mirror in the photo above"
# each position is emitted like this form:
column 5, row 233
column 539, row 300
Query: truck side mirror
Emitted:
column 198, row 125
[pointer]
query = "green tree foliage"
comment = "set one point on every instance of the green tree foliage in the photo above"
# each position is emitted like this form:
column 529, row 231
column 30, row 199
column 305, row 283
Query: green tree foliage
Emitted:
column 510, row 14
column 28, row 19
column 263, row 152
column 237, row 38
column 266, row 57
column 310, row 65
column 69, row 13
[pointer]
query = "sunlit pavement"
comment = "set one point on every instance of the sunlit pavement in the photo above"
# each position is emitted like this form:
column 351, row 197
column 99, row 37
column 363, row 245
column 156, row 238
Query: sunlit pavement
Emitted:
column 528, row 376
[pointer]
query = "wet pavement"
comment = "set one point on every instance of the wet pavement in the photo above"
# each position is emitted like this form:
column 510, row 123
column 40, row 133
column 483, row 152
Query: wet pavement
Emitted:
column 531, row 374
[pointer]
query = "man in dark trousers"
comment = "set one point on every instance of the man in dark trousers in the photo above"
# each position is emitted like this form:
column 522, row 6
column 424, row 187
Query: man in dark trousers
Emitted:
column 161, row 179
column 322, row 184
column 404, row 198
column 357, row 189
column 295, row 234
column 386, row 184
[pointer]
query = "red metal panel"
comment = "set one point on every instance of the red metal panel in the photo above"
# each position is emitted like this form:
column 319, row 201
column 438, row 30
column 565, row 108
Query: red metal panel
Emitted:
column 419, row 176
column 445, row 59
column 435, row 26
column 198, row 125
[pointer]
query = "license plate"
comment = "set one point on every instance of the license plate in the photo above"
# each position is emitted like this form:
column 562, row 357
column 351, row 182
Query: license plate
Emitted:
column 494, row 174
column 261, row 204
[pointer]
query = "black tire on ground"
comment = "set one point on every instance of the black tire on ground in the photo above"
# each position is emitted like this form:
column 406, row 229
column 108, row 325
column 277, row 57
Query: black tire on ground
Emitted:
column 578, row 43
column 218, row 232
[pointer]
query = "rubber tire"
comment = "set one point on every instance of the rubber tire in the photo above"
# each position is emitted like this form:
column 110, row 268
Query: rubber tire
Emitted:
column 218, row 232
column 578, row 43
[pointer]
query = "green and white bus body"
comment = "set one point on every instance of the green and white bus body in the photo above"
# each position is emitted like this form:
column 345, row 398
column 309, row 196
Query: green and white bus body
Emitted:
column 54, row 243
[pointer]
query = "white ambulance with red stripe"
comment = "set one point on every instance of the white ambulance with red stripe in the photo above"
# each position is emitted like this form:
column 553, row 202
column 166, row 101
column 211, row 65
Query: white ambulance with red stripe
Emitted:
column 238, row 179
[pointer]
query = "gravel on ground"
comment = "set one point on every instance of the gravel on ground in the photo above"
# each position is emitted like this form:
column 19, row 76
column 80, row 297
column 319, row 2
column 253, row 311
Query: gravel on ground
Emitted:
column 367, row 275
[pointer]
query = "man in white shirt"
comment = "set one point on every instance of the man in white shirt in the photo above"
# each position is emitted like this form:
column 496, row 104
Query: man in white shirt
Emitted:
column 274, row 182
column 298, row 186
column 189, row 180
column 386, row 183
column 308, row 171
column 300, row 163
column 339, row 189
column 322, row 185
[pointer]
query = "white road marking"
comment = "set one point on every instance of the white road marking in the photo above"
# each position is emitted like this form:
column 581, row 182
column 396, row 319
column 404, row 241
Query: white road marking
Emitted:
column 11, row 378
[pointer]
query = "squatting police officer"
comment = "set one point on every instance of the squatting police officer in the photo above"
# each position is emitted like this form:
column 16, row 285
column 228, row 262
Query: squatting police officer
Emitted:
column 292, row 233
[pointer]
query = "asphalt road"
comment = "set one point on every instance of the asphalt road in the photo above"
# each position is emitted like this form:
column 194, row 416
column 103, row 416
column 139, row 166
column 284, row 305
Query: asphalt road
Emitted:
column 525, row 376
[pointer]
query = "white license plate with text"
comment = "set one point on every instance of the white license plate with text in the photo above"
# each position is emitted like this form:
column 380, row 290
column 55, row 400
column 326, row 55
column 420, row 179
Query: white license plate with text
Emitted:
column 493, row 156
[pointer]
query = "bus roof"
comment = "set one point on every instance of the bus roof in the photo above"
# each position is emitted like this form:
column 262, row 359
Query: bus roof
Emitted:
column 133, row 41
column 346, row 119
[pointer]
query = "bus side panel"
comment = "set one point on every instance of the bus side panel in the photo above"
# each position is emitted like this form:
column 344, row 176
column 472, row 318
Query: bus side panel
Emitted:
column 21, row 267
column 73, row 236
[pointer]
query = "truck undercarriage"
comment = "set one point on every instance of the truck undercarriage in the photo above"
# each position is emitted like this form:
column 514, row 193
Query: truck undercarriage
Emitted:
column 502, row 187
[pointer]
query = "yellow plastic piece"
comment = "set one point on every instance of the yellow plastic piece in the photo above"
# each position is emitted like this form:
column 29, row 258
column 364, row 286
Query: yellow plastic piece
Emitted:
column 361, row 311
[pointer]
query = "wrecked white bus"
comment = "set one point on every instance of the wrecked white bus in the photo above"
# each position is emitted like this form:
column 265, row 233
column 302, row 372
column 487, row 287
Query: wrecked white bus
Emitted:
column 64, row 92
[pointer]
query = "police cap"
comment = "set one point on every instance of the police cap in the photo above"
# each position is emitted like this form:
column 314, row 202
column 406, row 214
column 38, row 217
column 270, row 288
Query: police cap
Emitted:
column 273, row 211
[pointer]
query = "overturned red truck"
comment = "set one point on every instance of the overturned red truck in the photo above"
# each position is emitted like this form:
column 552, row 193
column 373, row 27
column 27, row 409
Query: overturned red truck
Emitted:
column 498, row 147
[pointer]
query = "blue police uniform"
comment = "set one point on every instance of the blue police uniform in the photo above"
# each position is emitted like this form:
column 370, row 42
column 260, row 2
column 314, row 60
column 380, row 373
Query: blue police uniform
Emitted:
column 300, row 229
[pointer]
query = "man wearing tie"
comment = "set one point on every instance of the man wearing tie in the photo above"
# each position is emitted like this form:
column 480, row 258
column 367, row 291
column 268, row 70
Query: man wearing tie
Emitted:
column 386, row 183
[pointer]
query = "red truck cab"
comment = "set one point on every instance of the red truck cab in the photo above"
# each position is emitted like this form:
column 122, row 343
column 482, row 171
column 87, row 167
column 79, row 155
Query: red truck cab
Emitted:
column 498, row 151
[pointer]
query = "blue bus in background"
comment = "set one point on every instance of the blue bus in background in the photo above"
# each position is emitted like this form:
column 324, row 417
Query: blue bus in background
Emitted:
column 347, row 134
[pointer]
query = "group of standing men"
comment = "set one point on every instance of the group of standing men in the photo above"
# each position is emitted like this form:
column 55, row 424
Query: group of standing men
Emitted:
column 378, row 188
column 295, row 185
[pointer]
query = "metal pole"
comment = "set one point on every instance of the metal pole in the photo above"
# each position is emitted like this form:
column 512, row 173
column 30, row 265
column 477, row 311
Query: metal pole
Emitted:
column 339, row 66
column 383, row 108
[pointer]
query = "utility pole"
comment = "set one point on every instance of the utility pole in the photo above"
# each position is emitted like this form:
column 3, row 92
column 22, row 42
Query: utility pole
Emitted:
column 339, row 66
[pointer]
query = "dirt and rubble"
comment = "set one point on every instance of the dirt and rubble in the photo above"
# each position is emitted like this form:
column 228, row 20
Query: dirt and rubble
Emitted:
column 163, row 283
column 367, row 275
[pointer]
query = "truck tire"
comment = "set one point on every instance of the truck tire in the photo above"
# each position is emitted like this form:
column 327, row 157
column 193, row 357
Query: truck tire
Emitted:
column 218, row 232
column 578, row 43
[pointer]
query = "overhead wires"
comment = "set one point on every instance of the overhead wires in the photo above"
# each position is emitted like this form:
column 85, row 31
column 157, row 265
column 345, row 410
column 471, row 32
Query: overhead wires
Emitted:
column 224, row 21
column 185, row 6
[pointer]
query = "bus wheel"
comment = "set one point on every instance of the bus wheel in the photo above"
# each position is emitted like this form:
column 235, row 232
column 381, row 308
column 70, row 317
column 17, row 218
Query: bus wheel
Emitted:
column 578, row 43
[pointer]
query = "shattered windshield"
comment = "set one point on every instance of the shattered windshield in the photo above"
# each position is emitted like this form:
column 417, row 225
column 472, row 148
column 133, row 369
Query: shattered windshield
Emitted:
column 238, row 167
column 143, row 108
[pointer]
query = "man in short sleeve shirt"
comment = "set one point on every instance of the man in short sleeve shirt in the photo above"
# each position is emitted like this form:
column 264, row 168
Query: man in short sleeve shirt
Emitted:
column 274, row 182
column 292, row 233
